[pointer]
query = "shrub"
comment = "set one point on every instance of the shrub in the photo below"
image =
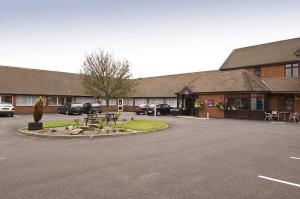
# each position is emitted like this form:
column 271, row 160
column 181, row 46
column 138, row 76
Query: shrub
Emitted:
column 77, row 122
column 101, row 124
column 38, row 110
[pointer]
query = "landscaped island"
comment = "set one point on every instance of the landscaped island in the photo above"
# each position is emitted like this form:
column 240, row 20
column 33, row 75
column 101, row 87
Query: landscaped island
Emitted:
column 77, row 128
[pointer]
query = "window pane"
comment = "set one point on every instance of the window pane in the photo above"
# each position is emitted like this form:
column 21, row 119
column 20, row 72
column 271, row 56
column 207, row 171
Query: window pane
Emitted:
column 25, row 100
column 139, row 101
column 83, row 100
column 51, row 101
column 237, row 104
column 156, row 101
column 112, row 102
column 172, row 102
column 295, row 71
column 61, row 101
column 288, row 72
column 7, row 99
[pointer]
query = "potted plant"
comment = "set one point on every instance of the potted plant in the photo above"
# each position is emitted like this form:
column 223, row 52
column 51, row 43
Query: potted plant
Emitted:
column 220, row 105
column 37, row 115
column 199, row 106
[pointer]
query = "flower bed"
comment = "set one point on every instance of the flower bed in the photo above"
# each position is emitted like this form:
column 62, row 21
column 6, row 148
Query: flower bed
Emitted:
column 78, row 129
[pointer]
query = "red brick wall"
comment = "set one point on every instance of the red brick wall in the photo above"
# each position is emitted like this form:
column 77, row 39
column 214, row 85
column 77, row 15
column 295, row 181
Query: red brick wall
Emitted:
column 214, row 112
column 272, row 103
column 297, row 105
column 273, row 71
column 29, row 109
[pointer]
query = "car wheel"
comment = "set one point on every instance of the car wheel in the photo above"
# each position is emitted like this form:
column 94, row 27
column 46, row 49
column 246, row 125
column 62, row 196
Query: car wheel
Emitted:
column 11, row 115
column 79, row 113
column 137, row 113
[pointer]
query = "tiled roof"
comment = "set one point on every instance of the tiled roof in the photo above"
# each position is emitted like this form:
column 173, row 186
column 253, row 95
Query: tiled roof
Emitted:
column 264, row 54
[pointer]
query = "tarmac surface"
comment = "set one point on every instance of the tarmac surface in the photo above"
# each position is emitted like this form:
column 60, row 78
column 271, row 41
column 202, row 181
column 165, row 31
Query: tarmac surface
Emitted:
column 193, row 158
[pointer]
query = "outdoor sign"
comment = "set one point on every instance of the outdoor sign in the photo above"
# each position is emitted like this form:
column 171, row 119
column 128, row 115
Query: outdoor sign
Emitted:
column 210, row 103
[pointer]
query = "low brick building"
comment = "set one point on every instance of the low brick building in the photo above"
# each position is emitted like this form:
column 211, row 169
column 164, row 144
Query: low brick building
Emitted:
column 251, row 81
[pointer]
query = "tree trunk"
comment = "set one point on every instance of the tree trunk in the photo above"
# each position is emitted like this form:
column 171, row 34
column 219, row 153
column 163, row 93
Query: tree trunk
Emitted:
column 107, row 100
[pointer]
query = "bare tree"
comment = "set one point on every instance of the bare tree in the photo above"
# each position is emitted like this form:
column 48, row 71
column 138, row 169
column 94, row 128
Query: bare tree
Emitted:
column 106, row 77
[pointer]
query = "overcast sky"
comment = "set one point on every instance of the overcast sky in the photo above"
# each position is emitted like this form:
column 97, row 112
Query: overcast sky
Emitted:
column 157, row 37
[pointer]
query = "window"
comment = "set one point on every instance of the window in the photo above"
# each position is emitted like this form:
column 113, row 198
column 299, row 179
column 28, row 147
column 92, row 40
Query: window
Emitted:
column 257, row 102
column 83, row 100
column 112, row 102
column 6, row 99
column 172, row 102
column 286, row 103
column 24, row 100
column 237, row 104
column 292, row 70
column 60, row 101
column 128, row 101
column 156, row 101
column 257, row 72
column 139, row 101
column 51, row 101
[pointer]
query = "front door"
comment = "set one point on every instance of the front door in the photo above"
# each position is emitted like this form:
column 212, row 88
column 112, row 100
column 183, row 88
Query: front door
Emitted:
column 120, row 104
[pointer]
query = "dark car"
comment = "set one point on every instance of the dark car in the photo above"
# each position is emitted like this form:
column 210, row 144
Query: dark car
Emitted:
column 161, row 109
column 142, row 109
column 70, row 108
column 92, row 108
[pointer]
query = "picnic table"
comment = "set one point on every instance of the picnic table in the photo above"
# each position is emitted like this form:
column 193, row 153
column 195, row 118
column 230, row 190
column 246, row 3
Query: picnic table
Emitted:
column 107, row 117
column 284, row 113
column 111, row 117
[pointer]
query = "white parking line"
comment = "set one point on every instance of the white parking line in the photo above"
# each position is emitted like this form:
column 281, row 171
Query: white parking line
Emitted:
column 296, row 158
column 281, row 181
column 2, row 158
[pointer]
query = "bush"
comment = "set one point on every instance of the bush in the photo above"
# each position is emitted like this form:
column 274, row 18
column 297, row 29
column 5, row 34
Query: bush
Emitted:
column 101, row 124
column 38, row 110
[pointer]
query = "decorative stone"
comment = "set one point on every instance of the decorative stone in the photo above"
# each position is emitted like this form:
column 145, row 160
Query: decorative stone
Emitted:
column 94, row 125
column 76, row 131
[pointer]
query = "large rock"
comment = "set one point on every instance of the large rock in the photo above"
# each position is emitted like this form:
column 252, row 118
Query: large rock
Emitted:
column 76, row 131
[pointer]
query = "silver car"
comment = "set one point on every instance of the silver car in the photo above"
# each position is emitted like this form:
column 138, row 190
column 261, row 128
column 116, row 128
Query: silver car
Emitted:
column 7, row 109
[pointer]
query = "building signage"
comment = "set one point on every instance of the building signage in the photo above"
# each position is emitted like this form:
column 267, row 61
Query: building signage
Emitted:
column 210, row 103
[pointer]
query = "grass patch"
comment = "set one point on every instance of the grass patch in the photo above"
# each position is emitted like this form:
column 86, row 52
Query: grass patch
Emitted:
column 53, row 124
column 142, row 125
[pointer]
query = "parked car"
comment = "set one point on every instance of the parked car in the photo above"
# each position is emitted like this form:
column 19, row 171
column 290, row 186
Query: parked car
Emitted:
column 161, row 109
column 142, row 109
column 92, row 108
column 70, row 108
column 7, row 109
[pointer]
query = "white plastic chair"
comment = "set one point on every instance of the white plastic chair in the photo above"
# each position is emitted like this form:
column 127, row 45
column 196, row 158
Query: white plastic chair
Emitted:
column 294, row 117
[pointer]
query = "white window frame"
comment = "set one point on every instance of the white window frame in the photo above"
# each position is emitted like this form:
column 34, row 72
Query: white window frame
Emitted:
column 33, row 99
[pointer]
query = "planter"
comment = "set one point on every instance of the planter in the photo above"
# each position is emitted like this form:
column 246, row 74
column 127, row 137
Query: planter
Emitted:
column 32, row 126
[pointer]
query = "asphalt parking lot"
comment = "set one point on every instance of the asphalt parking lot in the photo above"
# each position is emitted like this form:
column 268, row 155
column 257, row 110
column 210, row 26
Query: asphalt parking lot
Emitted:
column 215, row 158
